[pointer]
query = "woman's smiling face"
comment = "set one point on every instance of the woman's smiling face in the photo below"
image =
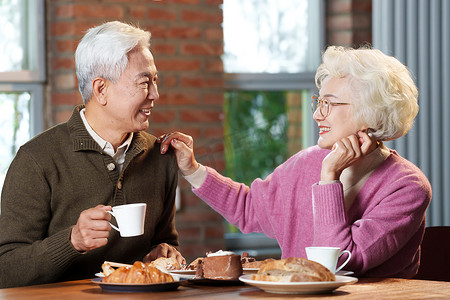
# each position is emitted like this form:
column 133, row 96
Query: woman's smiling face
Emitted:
column 340, row 122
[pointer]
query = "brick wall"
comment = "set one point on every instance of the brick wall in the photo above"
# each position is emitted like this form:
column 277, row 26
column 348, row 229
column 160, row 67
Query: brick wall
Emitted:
column 187, row 43
column 348, row 22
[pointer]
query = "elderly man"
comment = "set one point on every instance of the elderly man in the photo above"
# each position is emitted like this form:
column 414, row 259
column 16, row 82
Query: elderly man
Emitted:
column 54, row 222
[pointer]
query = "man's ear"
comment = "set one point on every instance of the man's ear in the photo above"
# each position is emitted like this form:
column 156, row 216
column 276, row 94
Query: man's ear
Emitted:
column 99, row 89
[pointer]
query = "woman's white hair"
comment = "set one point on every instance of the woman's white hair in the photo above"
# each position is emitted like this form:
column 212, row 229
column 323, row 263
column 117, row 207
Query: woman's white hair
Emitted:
column 385, row 95
column 103, row 52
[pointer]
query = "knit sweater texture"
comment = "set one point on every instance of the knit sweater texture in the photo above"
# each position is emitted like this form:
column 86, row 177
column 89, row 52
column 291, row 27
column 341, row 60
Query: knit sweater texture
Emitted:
column 59, row 174
column 383, row 228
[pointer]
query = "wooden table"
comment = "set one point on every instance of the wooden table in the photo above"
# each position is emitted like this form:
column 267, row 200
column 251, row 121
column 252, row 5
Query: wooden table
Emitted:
column 366, row 288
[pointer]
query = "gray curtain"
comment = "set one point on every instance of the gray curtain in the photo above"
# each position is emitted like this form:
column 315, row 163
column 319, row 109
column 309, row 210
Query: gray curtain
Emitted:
column 417, row 32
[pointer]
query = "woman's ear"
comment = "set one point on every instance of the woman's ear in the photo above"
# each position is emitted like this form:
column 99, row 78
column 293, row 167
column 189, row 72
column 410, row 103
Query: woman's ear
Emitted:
column 99, row 89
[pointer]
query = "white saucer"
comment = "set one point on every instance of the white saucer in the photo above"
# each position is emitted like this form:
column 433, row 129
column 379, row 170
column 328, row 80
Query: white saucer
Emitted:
column 299, row 287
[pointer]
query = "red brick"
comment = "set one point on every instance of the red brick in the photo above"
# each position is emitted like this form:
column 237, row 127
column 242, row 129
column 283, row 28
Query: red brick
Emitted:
column 63, row 28
column 213, row 98
column 69, row 98
column 65, row 81
column 340, row 6
column 189, row 233
column 214, row 2
column 158, row 32
column 185, row 32
column 202, row 16
column 62, row 63
column 129, row 2
column 339, row 22
column 361, row 21
column 362, row 6
column 215, row 65
column 66, row 46
column 190, row 200
column 214, row 232
column 178, row 64
column 341, row 38
column 200, row 216
column 214, row 34
column 200, row 82
column 162, row 14
column 202, row 49
column 203, row 115
column 181, row 1
column 63, row 116
column 362, row 37
column 174, row 98
column 160, row 48
column 162, row 116
column 215, row 133
column 137, row 12
column 168, row 80
column 99, row 11
column 157, row 129
column 65, row 10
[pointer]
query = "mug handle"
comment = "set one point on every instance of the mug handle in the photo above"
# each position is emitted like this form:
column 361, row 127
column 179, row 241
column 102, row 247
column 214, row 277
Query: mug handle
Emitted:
column 114, row 217
column 345, row 262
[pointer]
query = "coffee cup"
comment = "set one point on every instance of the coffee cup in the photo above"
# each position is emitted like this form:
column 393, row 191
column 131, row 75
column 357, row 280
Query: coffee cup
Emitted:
column 327, row 256
column 130, row 219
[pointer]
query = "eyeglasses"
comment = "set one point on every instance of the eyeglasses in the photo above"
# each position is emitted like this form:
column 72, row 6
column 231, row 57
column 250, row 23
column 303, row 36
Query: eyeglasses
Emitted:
column 323, row 105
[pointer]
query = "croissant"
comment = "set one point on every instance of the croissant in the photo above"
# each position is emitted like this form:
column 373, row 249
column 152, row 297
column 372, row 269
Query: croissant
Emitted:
column 138, row 273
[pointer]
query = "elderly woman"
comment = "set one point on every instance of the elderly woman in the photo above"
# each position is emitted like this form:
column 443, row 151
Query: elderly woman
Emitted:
column 348, row 191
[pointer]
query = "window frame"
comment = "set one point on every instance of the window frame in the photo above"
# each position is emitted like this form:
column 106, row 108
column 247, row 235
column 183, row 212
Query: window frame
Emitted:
column 31, row 80
column 278, row 81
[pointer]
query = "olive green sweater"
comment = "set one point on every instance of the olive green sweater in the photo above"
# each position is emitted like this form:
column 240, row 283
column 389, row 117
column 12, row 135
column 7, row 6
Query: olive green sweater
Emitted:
column 60, row 173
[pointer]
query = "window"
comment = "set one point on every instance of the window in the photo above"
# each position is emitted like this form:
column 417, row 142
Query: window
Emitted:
column 22, row 74
column 272, row 49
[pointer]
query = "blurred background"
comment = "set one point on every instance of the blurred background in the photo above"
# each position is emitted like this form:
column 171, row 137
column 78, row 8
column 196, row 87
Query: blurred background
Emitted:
column 238, row 76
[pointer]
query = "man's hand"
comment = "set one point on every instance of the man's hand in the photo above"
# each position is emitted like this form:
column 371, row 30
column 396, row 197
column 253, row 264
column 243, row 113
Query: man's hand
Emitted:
column 164, row 250
column 92, row 229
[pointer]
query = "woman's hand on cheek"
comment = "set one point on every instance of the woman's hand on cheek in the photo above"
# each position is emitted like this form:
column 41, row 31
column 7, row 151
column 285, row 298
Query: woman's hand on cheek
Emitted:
column 345, row 153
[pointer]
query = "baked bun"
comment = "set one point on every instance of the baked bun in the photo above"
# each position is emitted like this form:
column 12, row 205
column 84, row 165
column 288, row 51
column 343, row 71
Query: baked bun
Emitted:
column 293, row 269
column 138, row 273
column 256, row 263
column 166, row 264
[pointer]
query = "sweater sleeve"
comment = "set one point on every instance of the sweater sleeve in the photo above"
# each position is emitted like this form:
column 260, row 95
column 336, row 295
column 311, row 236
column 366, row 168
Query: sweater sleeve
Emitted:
column 251, row 209
column 392, row 215
column 27, row 254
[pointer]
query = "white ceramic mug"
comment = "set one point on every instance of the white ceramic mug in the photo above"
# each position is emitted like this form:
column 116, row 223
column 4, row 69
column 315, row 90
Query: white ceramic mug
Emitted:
column 130, row 219
column 327, row 256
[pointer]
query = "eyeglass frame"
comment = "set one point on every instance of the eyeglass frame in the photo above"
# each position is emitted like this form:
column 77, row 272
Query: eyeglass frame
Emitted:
column 321, row 101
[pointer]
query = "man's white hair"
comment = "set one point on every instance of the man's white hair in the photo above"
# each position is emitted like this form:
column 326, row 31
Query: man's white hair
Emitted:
column 103, row 52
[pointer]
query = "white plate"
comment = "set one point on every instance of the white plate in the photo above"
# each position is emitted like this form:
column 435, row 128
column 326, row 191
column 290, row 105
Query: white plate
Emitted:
column 136, row 287
column 299, row 287
column 344, row 273
column 182, row 272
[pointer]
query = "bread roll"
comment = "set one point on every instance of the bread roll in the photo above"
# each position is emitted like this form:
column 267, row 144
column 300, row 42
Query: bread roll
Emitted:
column 166, row 264
column 256, row 263
column 293, row 269
column 138, row 273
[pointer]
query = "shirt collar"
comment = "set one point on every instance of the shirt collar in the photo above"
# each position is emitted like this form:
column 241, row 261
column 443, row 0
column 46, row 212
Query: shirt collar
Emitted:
column 105, row 145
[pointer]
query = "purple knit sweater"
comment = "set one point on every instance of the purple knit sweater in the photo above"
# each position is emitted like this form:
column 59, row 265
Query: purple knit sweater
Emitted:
column 383, row 228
